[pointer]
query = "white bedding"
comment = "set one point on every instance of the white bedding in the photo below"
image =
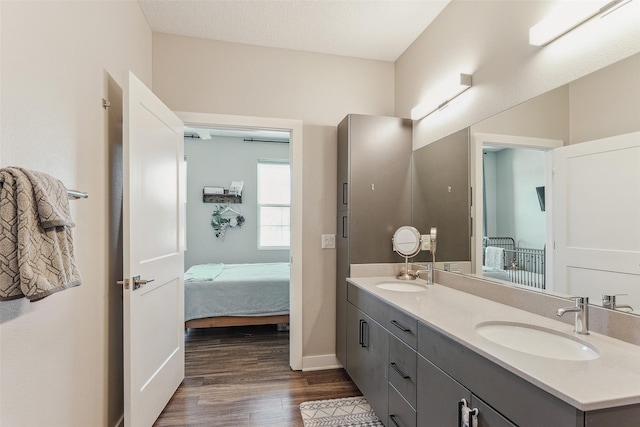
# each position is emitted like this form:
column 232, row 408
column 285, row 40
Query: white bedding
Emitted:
column 236, row 290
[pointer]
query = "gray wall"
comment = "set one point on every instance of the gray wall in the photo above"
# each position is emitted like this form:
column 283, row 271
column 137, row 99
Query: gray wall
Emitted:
column 217, row 162
column 441, row 196
column 516, row 174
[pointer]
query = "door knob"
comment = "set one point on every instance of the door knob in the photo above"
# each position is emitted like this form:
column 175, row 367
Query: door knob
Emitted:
column 137, row 282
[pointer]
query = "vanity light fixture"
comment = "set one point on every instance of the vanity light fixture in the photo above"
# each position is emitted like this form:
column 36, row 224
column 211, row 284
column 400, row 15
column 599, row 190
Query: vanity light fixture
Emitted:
column 448, row 90
column 569, row 15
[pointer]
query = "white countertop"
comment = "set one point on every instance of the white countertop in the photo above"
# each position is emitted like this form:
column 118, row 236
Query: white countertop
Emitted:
column 611, row 380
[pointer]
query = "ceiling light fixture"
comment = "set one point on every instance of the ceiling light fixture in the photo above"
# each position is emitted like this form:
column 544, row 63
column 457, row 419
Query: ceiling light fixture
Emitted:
column 445, row 91
column 569, row 15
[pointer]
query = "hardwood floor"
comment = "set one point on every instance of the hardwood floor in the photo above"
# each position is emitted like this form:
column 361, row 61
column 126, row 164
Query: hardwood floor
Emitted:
column 240, row 377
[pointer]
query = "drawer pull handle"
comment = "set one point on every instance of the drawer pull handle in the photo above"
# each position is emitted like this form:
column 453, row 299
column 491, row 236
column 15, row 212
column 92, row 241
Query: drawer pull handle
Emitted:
column 344, row 227
column 393, row 420
column 402, row 374
column 400, row 326
column 344, row 193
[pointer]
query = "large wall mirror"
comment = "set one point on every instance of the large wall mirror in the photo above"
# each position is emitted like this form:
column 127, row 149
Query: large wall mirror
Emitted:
column 515, row 210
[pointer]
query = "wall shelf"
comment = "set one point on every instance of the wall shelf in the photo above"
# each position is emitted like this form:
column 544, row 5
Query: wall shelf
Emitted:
column 221, row 198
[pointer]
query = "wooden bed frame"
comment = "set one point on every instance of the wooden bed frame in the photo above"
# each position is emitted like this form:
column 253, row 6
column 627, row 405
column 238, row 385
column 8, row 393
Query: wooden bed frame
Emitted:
column 221, row 321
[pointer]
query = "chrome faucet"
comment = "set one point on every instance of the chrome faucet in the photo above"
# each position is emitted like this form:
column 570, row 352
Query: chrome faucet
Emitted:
column 428, row 271
column 609, row 301
column 582, row 314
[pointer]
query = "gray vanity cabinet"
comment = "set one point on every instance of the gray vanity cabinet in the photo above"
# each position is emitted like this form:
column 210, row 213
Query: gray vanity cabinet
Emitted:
column 413, row 375
column 395, row 360
column 373, row 198
column 367, row 344
column 439, row 397
column 490, row 387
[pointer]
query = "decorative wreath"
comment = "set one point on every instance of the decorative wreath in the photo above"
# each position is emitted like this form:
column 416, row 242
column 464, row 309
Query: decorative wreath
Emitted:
column 223, row 218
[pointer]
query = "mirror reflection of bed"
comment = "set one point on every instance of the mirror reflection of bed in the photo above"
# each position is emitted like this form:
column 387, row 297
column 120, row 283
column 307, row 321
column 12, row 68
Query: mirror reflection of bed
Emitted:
column 237, row 275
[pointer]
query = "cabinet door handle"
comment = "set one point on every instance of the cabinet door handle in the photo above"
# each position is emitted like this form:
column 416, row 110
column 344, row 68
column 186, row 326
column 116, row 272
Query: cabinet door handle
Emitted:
column 472, row 413
column 393, row 420
column 400, row 326
column 344, row 193
column 344, row 227
column 461, row 404
column 402, row 374
column 360, row 332
column 365, row 334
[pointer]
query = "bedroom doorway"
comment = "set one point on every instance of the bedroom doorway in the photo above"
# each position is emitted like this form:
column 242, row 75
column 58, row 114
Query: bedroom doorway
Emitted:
column 510, row 178
column 272, row 216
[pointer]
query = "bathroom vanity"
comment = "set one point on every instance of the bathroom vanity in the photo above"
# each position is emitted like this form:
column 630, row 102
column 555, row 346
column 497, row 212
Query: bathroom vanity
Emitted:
column 417, row 351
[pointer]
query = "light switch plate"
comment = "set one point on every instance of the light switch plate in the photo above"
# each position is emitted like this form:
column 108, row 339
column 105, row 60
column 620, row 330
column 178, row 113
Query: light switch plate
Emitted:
column 328, row 241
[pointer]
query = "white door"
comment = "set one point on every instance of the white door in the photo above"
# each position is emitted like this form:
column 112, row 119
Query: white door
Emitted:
column 596, row 211
column 153, row 252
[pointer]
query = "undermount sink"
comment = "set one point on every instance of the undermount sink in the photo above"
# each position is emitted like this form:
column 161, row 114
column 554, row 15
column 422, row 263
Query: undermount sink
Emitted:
column 396, row 285
column 538, row 341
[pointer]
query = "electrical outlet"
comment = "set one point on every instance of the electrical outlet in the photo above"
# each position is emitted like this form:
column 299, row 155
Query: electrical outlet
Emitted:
column 426, row 242
column 328, row 241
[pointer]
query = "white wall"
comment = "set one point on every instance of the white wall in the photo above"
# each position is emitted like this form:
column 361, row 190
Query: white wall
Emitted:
column 490, row 189
column 217, row 162
column 489, row 39
column 607, row 102
column 225, row 78
column 518, row 172
column 61, row 357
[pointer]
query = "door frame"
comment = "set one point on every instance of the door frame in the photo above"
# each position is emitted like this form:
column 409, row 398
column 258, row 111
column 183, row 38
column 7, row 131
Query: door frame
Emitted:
column 477, row 141
column 295, row 251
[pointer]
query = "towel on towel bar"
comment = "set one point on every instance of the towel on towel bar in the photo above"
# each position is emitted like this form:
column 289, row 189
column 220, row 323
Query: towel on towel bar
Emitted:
column 36, row 246
column 494, row 257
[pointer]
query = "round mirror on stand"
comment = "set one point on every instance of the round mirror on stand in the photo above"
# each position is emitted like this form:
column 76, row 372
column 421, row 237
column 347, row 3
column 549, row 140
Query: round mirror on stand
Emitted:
column 406, row 242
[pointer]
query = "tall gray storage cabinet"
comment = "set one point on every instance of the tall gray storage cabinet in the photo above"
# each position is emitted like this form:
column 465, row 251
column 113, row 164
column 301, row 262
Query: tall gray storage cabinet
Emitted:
column 374, row 199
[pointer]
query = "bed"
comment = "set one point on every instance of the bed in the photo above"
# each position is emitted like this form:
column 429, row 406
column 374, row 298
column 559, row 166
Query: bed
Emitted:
column 503, row 260
column 236, row 295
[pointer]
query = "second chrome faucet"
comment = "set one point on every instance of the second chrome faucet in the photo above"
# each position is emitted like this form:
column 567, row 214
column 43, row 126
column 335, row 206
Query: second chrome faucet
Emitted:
column 428, row 271
column 581, row 309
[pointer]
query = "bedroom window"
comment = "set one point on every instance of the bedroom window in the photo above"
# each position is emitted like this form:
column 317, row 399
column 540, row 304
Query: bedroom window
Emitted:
column 274, row 204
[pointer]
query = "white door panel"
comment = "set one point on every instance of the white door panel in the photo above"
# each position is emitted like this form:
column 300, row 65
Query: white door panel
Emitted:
column 596, row 206
column 152, row 218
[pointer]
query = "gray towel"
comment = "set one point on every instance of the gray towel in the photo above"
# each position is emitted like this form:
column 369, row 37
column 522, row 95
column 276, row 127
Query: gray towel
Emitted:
column 36, row 246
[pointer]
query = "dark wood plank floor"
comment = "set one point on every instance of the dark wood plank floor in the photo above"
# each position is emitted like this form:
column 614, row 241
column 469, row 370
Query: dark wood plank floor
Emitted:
column 240, row 377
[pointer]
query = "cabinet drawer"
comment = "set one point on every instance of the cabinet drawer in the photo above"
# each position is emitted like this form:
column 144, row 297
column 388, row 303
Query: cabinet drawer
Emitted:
column 374, row 307
column 402, row 325
column 401, row 414
column 402, row 369
column 518, row 400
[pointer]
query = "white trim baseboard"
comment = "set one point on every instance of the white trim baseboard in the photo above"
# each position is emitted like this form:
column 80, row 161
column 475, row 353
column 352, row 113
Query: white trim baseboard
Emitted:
column 321, row 362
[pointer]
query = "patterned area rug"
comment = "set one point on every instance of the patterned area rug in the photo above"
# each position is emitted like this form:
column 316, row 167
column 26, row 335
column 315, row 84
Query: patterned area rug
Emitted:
column 347, row 412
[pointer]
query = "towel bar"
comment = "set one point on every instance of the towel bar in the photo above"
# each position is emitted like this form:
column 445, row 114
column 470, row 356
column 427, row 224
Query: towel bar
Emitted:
column 74, row 194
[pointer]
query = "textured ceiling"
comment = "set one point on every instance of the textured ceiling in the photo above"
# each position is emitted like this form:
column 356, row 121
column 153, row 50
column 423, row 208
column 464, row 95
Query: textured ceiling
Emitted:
column 371, row 29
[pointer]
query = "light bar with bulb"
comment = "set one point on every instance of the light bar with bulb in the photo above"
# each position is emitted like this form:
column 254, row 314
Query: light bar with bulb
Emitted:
column 446, row 92
column 569, row 15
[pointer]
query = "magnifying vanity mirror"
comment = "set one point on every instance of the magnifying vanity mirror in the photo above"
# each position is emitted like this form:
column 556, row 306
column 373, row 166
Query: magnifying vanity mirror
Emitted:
column 508, row 203
column 407, row 243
